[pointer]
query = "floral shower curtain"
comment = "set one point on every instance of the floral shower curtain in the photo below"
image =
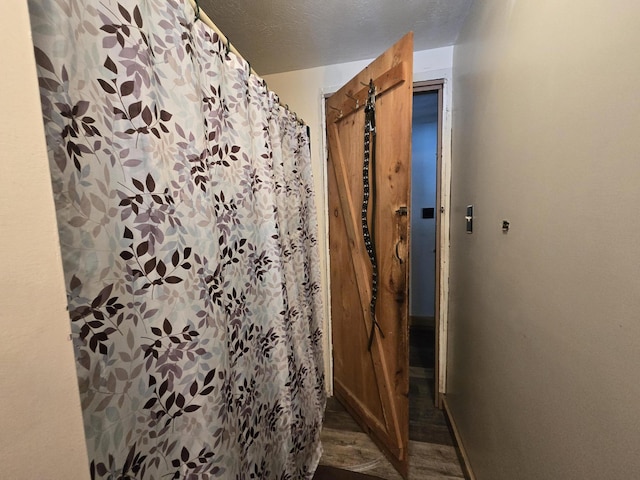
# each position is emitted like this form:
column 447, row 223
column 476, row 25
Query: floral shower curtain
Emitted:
column 188, row 234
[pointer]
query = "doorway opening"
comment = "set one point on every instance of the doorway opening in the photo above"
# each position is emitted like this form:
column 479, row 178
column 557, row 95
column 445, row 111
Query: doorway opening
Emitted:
column 427, row 422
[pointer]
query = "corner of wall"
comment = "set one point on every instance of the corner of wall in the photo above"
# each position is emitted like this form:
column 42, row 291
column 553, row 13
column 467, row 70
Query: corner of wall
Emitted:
column 42, row 434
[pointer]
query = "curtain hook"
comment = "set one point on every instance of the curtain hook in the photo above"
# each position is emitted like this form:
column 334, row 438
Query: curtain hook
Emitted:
column 197, row 11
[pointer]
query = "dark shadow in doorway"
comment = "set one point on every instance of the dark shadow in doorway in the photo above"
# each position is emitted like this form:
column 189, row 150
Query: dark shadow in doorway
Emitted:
column 426, row 422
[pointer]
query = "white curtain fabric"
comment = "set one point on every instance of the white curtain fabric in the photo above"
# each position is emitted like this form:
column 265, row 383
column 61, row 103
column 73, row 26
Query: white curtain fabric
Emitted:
column 188, row 234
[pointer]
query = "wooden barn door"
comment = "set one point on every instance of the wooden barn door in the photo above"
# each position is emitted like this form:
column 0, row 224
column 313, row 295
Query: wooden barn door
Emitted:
column 372, row 380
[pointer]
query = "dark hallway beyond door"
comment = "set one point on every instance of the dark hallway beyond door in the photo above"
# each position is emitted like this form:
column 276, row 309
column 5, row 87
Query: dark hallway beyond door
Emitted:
column 426, row 422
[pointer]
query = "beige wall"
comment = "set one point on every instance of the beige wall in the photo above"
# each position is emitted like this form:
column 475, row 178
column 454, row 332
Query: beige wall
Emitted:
column 545, row 320
column 41, row 433
column 304, row 90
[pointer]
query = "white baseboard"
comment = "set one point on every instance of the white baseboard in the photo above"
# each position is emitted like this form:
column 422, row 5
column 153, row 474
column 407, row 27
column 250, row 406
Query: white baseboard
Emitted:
column 468, row 472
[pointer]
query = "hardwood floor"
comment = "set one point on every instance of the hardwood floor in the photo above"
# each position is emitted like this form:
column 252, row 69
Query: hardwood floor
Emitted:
column 332, row 473
column 432, row 452
column 426, row 422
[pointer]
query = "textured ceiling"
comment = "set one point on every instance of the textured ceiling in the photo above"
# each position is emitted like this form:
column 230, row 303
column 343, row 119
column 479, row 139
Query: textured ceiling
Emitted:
column 283, row 35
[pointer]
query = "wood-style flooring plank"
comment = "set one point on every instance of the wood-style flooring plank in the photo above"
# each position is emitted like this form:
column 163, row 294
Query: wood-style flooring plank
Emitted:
column 355, row 451
column 432, row 453
column 332, row 473
column 337, row 417
column 426, row 422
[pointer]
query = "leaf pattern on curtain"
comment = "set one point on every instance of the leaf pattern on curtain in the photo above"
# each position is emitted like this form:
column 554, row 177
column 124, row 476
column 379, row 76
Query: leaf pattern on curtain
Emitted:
column 188, row 231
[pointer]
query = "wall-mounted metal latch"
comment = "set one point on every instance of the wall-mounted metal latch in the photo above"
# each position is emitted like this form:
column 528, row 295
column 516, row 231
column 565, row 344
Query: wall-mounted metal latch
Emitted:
column 469, row 219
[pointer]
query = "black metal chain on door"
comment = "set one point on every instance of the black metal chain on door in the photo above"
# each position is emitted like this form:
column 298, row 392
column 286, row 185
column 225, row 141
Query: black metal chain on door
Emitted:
column 369, row 191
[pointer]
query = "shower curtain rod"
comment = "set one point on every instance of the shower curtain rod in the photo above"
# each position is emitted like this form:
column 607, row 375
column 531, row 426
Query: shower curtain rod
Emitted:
column 203, row 17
